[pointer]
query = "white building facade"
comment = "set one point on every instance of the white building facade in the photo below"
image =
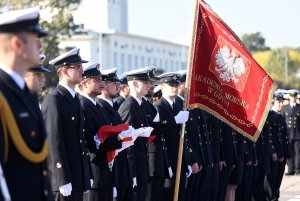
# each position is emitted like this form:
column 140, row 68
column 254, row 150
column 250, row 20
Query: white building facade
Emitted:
column 109, row 43
column 127, row 52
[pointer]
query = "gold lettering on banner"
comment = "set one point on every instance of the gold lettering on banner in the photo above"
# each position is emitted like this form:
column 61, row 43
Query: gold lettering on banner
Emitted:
column 208, row 81
column 237, row 101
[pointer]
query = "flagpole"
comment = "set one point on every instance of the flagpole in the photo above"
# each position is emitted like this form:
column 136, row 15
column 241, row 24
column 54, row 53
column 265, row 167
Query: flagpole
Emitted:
column 185, row 105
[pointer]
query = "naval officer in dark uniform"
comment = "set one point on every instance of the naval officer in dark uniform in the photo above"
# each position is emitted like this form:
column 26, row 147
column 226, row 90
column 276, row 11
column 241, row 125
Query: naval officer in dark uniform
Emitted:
column 133, row 113
column 69, row 157
column 167, row 109
column 105, row 176
column 124, row 161
column 23, row 146
column 291, row 113
column 159, row 162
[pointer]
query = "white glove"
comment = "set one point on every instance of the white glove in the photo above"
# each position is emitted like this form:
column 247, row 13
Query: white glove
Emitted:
column 66, row 189
column 92, row 181
column 144, row 132
column 182, row 117
column 170, row 172
column 115, row 193
column 97, row 141
column 126, row 133
column 188, row 174
column 134, row 182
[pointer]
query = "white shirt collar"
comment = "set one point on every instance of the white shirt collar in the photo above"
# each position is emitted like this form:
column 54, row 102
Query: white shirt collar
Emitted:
column 170, row 101
column 293, row 104
column 72, row 92
column 92, row 100
column 109, row 101
column 137, row 99
column 19, row 80
column 182, row 98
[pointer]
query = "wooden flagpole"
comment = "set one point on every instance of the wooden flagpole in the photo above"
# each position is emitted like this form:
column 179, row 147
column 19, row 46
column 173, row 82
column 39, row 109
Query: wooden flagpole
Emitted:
column 185, row 104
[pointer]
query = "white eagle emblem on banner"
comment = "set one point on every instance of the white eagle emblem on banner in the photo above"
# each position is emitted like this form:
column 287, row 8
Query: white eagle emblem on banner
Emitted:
column 229, row 65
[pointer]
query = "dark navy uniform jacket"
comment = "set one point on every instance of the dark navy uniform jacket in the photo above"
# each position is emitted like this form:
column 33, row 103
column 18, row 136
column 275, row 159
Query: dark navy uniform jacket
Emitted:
column 132, row 113
column 124, row 160
column 292, row 119
column 69, row 156
column 104, row 176
column 26, row 180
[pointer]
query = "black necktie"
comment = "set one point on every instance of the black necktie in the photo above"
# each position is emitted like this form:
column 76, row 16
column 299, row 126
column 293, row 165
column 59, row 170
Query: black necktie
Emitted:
column 175, row 108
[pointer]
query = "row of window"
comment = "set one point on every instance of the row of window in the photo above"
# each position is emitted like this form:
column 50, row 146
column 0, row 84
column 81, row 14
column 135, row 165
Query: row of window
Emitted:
column 129, row 61
column 151, row 49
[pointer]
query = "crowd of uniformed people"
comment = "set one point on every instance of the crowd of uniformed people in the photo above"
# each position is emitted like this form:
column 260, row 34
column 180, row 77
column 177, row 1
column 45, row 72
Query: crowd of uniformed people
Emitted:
column 98, row 136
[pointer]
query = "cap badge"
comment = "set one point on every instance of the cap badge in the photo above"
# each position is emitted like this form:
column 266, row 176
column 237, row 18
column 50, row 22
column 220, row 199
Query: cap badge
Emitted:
column 98, row 67
column 174, row 77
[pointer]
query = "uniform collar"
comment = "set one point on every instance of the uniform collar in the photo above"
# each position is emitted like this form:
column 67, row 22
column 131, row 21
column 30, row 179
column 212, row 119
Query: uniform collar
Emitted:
column 170, row 101
column 137, row 99
column 92, row 100
column 182, row 98
column 72, row 92
column 109, row 101
column 19, row 80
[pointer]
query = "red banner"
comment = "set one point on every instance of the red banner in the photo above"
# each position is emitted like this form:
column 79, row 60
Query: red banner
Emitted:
column 224, row 79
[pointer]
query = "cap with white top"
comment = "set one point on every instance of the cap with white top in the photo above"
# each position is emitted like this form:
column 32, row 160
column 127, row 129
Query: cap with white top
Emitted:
column 21, row 20
column 91, row 71
column 170, row 78
column 69, row 58
column 110, row 75
column 138, row 74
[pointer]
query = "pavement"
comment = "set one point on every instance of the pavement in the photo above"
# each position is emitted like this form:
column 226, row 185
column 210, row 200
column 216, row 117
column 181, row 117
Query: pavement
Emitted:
column 290, row 188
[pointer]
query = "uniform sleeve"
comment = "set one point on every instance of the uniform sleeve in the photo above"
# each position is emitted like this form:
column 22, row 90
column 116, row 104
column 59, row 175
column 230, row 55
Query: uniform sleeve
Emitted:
column 58, row 158
column 90, row 130
column 125, row 113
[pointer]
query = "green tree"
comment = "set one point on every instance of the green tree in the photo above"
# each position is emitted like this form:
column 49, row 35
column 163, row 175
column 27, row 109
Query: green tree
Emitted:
column 254, row 42
column 273, row 63
column 59, row 23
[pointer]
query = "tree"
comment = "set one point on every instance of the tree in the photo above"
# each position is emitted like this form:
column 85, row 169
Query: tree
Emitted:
column 273, row 63
column 59, row 23
column 254, row 42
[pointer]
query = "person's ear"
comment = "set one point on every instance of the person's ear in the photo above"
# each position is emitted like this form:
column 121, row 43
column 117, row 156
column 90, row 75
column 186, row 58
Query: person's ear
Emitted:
column 16, row 43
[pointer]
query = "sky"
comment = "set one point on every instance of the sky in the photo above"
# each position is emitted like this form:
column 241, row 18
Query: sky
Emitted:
column 277, row 21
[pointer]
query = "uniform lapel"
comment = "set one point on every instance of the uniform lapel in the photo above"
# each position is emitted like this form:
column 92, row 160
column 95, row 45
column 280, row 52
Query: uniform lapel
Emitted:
column 105, row 105
column 167, row 106
column 24, row 96
column 66, row 94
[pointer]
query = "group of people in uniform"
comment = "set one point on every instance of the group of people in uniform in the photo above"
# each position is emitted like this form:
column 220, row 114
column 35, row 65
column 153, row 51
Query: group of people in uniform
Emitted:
column 98, row 136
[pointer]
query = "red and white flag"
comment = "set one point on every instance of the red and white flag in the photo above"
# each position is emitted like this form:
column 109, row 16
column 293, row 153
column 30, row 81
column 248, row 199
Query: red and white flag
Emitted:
column 223, row 78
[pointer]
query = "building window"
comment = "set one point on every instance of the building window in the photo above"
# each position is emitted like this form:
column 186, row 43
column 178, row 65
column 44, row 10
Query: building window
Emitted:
column 129, row 60
column 136, row 60
column 166, row 64
column 115, row 59
column 148, row 61
column 154, row 61
column 160, row 63
column 122, row 60
column 142, row 61
column 171, row 65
